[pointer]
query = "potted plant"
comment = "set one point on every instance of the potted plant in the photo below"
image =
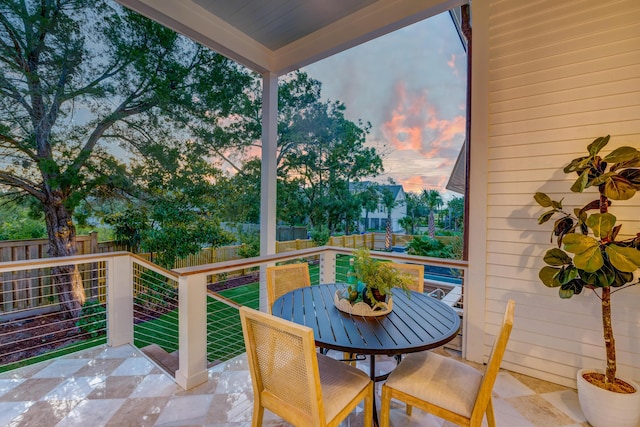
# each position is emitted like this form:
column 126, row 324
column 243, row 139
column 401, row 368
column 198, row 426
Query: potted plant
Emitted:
column 378, row 278
column 592, row 255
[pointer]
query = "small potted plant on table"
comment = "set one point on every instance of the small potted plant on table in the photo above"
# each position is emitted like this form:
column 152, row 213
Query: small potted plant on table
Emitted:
column 379, row 278
column 596, row 258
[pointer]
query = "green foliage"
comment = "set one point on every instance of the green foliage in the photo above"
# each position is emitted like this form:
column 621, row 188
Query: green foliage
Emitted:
column 18, row 221
column 321, row 152
column 93, row 319
column 320, row 235
column 129, row 227
column 156, row 291
column 250, row 243
column 599, row 259
column 427, row 246
column 456, row 212
column 379, row 275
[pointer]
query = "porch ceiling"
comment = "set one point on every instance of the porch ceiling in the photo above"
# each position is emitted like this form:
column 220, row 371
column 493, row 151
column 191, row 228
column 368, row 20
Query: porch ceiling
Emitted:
column 279, row 36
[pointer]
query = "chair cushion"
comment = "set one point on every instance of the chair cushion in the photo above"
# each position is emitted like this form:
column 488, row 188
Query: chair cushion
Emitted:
column 340, row 384
column 439, row 380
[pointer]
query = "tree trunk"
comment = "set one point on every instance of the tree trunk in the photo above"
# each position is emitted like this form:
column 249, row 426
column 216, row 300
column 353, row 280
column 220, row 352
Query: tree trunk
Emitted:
column 387, row 237
column 607, row 327
column 609, row 341
column 432, row 225
column 62, row 242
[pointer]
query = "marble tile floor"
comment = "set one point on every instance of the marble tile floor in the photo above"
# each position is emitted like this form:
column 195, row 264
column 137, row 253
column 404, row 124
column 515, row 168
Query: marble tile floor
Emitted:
column 119, row 386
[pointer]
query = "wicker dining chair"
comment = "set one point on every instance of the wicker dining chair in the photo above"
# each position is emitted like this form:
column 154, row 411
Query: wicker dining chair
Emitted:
column 415, row 271
column 445, row 387
column 285, row 278
column 292, row 380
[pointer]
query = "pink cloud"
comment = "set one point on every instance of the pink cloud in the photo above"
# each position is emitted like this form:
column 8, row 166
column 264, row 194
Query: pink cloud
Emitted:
column 414, row 124
column 452, row 62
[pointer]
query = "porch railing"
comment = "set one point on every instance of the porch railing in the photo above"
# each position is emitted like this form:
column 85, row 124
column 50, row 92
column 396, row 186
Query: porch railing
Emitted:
column 190, row 313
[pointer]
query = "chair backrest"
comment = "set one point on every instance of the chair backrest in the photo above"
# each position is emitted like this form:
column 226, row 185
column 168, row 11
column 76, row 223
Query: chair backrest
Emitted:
column 493, row 366
column 284, row 366
column 284, row 278
column 415, row 271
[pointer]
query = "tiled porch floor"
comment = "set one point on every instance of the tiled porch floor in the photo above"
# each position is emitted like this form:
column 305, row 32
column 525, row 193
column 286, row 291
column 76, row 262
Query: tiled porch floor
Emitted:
column 121, row 387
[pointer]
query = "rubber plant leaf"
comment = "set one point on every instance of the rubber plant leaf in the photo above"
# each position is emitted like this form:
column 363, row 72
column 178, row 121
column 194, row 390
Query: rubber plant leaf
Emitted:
column 545, row 217
column 597, row 145
column 556, row 257
column 601, row 224
column 586, row 249
column 562, row 227
column 602, row 278
column 621, row 154
column 577, row 165
column 542, row 199
column 621, row 278
column 632, row 175
column 619, row 188
column 623, row 258
column 547, row 276
column 581, row 182
column 601, row 179
column 567, row 274
column 569, row 289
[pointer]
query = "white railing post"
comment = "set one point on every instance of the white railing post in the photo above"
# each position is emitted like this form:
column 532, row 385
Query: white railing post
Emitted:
column 328, row 267
column 264, row 304
column 119, row 300
column 192, row 330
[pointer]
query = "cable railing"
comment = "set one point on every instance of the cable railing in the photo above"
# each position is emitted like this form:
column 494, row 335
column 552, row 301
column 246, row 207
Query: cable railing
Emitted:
column 37, row 324
column 185, row 319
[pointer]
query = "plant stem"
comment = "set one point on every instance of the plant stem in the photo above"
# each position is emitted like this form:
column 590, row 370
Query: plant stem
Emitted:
column 609, row 341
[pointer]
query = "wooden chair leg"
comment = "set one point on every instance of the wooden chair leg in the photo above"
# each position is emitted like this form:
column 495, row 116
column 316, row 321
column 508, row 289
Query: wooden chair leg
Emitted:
column 350, row 357
column 386, row 407
column 368, row 407
column 408, row 410
column 258, row 413
column 491, row 418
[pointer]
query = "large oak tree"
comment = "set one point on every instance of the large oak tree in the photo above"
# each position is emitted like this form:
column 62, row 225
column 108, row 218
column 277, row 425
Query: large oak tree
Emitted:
column 86, row 90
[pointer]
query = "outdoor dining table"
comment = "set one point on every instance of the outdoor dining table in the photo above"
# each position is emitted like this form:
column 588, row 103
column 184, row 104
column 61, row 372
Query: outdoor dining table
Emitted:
column 417, row 322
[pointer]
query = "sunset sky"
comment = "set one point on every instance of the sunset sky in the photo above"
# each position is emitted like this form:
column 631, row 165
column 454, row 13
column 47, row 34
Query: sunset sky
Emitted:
column 411, row 86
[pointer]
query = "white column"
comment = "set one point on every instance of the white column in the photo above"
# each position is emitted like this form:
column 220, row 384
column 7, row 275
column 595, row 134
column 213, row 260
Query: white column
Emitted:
column 475, row 281
column 119, row 301
column 268, row 196
column 328, row 267
column 192, row 330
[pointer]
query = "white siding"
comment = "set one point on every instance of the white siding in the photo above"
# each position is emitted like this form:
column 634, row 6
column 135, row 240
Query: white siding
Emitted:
column 549, row 77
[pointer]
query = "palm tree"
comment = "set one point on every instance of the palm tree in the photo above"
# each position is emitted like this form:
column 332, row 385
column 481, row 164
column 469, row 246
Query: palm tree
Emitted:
column 389, row 202
column 433, row 200
column 413, row 208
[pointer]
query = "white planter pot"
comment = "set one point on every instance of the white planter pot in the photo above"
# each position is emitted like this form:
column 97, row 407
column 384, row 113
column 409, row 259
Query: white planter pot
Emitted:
column 604, row 408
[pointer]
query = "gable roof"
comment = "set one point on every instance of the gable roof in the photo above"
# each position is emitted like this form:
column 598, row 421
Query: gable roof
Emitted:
column 395, row 189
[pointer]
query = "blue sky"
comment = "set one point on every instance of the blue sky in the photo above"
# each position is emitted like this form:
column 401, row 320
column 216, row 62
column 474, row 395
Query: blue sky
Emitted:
column 411, row 86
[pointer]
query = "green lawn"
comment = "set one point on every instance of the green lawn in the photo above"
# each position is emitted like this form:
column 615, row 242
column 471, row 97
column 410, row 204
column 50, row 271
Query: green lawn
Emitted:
column 224, row 333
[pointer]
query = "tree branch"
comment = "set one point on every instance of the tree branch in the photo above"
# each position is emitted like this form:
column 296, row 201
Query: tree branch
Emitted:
column 26, row 185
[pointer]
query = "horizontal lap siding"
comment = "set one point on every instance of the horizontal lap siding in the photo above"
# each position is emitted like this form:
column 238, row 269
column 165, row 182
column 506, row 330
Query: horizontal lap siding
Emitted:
column 560, row 75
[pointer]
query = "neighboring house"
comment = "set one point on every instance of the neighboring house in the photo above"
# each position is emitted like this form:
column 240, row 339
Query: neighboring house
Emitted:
column 377, row 219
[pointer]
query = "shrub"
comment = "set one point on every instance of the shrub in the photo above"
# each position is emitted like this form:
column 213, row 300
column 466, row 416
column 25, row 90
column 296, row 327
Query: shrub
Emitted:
column 93, row 319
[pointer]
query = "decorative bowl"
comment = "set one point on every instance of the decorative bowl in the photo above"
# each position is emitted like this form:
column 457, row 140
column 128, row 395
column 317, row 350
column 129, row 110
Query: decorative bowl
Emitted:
column 361, row 308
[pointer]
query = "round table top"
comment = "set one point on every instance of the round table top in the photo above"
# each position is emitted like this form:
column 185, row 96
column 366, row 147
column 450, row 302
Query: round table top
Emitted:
column 415, row 324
